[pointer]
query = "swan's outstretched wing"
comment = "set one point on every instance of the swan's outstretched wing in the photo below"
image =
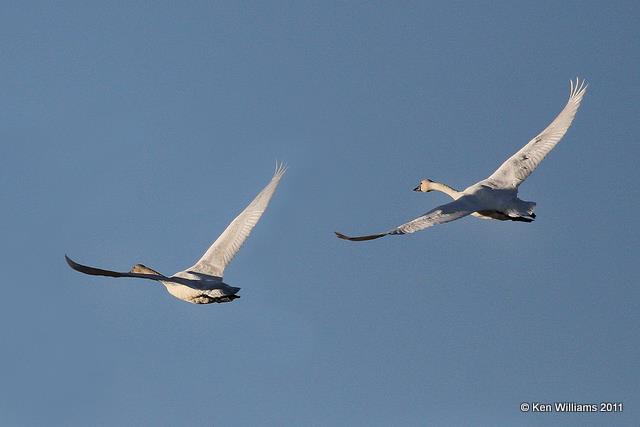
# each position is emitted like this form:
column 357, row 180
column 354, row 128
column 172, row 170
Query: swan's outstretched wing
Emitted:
column 222, row 251
column 99, row 272
column 519, row 166
column 444, row 213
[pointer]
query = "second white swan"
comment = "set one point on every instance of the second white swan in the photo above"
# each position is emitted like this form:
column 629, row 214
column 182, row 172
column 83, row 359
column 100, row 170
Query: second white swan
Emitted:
column 495, row 197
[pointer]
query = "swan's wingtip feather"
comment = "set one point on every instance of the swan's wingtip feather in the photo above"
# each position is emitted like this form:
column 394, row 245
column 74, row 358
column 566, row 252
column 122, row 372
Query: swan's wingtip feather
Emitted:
column 281, row 168
column 69, row 261
column 76, row 266
column 571, row 88
column 577, row 88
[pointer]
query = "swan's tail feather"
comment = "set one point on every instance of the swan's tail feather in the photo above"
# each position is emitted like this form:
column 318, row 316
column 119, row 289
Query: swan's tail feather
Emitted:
column 360, row 238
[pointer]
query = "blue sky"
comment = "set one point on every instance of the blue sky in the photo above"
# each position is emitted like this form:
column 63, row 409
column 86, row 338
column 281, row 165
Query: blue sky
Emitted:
column 136, row 132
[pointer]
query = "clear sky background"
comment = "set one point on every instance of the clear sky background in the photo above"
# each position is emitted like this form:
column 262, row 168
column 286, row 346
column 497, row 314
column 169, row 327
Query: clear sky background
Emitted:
column 134, row 132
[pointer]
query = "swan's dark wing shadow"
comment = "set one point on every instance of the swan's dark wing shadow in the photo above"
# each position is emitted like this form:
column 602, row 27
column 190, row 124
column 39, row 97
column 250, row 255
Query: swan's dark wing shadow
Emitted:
column 440, row 215
column 203, row 276
column 100, row 272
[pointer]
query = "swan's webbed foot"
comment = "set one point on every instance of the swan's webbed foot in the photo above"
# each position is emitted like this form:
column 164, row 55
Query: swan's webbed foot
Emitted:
column 206, row 299
column 521, row 219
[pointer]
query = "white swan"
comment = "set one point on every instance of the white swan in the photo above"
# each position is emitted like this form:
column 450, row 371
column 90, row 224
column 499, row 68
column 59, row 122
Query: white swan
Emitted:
column 497, row 196
column 426, row 185
column 202, row 283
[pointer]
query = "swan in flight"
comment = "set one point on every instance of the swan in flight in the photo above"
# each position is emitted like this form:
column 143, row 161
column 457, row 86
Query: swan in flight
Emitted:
column 495, row 197
column 202, row 283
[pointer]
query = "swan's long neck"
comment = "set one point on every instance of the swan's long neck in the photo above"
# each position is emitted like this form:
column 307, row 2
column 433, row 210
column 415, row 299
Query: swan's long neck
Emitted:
column 444, row 188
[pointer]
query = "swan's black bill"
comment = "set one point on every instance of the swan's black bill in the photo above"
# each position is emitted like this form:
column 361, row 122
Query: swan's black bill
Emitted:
column 417, row 188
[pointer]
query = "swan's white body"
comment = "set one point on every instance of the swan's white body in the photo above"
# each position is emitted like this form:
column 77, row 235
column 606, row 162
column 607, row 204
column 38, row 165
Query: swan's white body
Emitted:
column 202, row 283
column 495, row 197
column 426, row 185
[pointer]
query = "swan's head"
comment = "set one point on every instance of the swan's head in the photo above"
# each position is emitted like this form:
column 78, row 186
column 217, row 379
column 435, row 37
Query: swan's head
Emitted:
column 140, row 268
column 424, row 186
